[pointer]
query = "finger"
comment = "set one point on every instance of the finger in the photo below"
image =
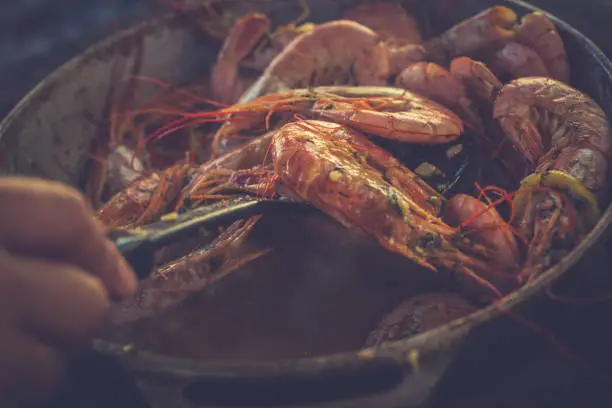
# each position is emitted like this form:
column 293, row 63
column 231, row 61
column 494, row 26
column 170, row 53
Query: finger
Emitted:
column 50, row 219
column 29, row 370
column 59, row 302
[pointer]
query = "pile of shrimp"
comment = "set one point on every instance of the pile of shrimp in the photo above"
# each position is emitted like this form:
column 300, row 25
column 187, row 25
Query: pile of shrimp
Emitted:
column 307, row 111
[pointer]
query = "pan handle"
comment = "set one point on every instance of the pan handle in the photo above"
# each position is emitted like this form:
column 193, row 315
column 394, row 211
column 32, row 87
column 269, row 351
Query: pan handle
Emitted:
column 289, row 390
column 389, row 381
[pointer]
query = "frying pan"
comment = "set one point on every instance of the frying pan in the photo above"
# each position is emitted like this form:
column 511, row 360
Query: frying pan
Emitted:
column 49, row 133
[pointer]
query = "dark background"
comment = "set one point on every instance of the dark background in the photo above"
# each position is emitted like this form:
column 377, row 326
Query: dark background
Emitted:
column 37, row 36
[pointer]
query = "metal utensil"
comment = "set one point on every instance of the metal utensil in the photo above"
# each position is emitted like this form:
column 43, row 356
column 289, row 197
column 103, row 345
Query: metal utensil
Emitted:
column 138, row 246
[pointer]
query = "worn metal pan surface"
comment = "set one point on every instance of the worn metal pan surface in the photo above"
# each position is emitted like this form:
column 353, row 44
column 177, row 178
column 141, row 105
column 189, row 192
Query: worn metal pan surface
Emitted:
column 277, row 334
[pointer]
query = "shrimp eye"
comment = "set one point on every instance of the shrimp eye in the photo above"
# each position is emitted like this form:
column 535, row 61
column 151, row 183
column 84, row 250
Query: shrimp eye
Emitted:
column 429, row 240
column 214, row 264
column 329, row 106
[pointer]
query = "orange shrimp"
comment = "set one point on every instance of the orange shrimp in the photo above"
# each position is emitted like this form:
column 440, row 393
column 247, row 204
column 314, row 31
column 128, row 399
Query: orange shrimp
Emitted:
column 273, row 45
column 389, row 19
column 398, row 30
column 565, row 137
column 460, row 88
column 488, row 229
column 318, row 162
column 476, row 77
column 538, row 114
column 519, row 60
column 481, row 33
column 246, row 33
column 174, row 281
column 381, row 111
column 438, row 84
column 432, row 81
column 408, row 117
column 404, row 55
column 241, row 170
column 146, row 199
column 419, row 314
column 335, row 53
column 245, row 170
column 539, row 33
column 482, row 87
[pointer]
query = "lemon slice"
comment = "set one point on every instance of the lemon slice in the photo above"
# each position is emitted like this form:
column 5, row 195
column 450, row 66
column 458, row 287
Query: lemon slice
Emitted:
column 564, row 183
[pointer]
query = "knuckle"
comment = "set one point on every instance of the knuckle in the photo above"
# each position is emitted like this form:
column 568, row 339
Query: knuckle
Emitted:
column 78, row 211
column 75, row 203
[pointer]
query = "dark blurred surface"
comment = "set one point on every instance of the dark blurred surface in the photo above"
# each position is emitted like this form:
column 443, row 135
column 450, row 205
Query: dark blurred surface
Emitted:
column 37, row 36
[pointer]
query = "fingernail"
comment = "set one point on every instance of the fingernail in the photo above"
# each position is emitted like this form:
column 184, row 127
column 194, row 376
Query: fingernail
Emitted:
column 127, row 280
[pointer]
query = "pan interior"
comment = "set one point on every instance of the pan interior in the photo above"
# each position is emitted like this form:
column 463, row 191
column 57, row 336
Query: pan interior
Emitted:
column 323, row 288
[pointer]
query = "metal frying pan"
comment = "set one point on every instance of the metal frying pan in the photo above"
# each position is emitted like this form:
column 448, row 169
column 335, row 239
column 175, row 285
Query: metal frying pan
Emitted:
column 62, row 115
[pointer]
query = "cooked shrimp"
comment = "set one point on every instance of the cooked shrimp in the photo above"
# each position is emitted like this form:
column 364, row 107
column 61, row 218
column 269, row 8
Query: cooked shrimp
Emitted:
column 435, row 82
column 540, row 34
column 320, row 162
column 538, row 114
column 476, row 77
column 174, row 281
column 403, row 56
column 243, row 37
column 488, row 229
column 481, row 33
column 389, row 19
column 418, row 315
column 519, row 60
column 566, row 138
column 146, row 199
column 339, row 52
column 273, row 45
column 381, row 111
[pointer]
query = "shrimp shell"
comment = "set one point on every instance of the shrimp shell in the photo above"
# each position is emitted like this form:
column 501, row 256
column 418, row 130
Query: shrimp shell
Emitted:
column 520, row 61
column 539, row 33
column 538, row 114
column 419, row 314
column 484, row 31
column 319, row 162
column 332, row 53
column 241, row 40
column 389, row 19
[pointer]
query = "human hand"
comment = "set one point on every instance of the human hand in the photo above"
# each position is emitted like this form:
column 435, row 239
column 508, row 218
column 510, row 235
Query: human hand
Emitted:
column 58, row 273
